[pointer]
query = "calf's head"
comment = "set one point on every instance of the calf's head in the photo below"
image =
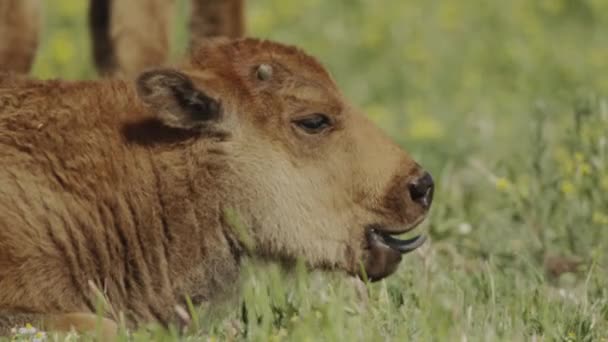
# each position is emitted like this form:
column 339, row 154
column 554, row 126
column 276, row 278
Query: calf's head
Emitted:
column 306, row 172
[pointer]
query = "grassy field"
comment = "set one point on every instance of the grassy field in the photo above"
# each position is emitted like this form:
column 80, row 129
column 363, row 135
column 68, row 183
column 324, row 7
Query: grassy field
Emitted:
column 505, row 102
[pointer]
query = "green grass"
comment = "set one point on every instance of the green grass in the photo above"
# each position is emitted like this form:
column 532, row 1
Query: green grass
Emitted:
column 505, row 103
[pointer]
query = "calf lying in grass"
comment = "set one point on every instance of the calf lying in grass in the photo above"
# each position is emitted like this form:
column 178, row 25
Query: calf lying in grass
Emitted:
column 133, row 189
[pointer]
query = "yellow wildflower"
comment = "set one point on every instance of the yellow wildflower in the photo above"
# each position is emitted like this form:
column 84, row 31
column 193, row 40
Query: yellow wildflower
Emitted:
column 450, row 16
column 565, row 161
column 502, row 184
column 425, row 128
column 585, row 169
column 567, row 187
column 380, row 115
column 39, row 337
column 28, row 329
column 599, row 218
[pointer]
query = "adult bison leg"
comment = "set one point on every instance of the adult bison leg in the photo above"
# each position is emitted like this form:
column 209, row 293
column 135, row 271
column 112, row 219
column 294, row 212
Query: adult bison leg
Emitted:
column 211, row 18
column 129, row 36
column 19, row 30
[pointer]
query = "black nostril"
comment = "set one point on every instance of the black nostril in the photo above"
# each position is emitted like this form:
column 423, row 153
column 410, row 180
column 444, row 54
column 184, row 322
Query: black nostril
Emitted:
column 421, row 190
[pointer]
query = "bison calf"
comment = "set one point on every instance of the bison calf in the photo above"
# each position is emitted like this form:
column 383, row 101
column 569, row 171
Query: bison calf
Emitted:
column 124, row 188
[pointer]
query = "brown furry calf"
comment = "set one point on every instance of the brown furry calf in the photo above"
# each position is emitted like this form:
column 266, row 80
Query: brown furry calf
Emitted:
column 125, row 188
column 128, row 36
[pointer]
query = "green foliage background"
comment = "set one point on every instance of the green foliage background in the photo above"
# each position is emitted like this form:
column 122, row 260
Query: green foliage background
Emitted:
column 504, row 102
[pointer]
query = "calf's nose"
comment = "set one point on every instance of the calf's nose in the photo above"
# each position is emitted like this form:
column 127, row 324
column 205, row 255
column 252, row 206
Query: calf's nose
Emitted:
column 421, row 190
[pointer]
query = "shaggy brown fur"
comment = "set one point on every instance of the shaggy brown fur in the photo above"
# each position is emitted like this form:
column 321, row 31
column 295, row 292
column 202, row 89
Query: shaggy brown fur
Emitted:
column 125, row 187
column 127, row 36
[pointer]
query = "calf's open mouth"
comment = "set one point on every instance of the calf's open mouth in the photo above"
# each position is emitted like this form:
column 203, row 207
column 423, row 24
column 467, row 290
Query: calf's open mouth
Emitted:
column 385, row 250
column 402, row 246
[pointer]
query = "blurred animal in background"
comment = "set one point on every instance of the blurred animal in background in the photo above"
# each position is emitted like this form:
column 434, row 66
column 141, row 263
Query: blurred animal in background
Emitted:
column 127, row 36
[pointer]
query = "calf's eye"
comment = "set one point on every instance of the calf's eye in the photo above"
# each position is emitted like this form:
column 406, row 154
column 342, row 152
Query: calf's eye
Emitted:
column 314, row 123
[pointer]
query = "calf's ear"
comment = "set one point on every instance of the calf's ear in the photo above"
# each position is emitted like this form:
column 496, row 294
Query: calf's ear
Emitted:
column 175, row 99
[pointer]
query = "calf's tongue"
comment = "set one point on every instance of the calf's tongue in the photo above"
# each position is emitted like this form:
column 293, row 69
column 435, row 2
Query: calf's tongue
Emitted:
column 403, row 246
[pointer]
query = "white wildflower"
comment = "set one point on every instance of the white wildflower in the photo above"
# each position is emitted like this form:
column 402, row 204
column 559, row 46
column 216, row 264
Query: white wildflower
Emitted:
column 465, row 228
